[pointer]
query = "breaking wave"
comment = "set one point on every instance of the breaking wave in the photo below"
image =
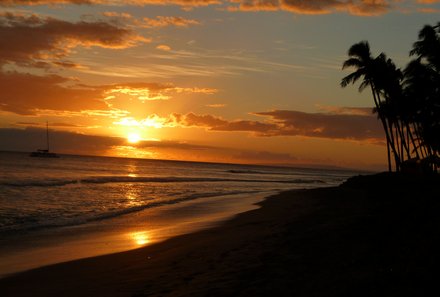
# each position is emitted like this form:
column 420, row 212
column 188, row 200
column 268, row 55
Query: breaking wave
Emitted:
column 129, row 179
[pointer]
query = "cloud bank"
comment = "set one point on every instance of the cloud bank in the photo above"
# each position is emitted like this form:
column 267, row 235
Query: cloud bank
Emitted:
column 32, row 40
column 54, row 92
column 354, row 7
column 31, row 138
column 341, row 123
column 183, row 3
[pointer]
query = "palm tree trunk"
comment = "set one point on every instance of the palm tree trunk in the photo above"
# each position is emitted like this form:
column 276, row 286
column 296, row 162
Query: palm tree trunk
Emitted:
column 384, row 124
column 421, row 146
column 393, row 145
column 403, row 143
column 411, row 137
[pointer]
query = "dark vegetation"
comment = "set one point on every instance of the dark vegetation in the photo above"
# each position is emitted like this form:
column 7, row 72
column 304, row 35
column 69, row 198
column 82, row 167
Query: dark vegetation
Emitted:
column 407, row 101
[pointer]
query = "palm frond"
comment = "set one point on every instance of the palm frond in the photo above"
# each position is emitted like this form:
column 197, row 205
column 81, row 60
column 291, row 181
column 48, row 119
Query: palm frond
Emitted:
column 350, row 79
column 352, row 62
column 365, row 83
column 360, row 50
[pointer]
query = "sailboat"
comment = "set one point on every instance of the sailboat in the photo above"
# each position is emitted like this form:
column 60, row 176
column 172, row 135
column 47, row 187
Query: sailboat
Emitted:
column 44, row 153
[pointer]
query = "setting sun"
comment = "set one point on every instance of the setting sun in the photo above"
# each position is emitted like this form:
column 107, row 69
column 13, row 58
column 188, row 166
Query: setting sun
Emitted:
column 133, row 137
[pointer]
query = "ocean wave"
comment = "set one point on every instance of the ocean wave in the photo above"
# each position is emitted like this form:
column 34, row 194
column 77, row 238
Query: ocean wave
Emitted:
column 39, row 183
column 259, row 172
column 32, row 223
column 129, row 179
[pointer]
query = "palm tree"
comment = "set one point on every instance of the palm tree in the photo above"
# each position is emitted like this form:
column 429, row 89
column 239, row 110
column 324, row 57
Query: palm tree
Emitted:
column 369, row 69
column 422, row 85
column 408, row 103
column 389, row 84
column 428, row 46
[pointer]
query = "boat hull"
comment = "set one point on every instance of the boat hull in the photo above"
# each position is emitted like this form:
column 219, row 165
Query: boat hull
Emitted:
column 43, row 155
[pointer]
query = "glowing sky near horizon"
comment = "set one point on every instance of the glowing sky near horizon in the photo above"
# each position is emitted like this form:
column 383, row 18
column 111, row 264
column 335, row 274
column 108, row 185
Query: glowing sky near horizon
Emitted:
column 206, row 80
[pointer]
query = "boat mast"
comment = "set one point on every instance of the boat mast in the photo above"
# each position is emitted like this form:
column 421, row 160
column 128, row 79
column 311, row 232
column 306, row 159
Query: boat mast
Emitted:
column 47, row 134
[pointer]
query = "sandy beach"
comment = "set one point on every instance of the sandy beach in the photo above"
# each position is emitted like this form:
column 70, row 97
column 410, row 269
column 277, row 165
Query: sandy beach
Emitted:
column 372, row 236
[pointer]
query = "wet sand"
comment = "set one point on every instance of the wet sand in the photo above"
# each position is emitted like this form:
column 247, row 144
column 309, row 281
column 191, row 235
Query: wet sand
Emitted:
column 373, row 236
column 121, row 233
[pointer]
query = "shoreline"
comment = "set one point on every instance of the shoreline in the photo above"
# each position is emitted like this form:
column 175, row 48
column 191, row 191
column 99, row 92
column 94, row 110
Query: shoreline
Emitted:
column 372, row 236
column 122, row 233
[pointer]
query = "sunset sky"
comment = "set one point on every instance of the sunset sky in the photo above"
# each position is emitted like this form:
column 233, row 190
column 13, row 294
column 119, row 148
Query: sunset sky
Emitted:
column 242, row 81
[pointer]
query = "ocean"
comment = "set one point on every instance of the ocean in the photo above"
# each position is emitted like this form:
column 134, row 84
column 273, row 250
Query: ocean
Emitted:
column 41, row 197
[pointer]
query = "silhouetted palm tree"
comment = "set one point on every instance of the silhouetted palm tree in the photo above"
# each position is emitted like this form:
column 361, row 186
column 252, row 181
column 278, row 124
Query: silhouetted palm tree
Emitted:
column 408, row 103
column 366, row 68
column 428, row 46
column 389, row 83
column 422, row 85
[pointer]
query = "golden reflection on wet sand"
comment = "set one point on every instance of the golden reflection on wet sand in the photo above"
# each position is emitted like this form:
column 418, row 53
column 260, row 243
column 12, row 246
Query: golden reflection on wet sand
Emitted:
column 140, row 238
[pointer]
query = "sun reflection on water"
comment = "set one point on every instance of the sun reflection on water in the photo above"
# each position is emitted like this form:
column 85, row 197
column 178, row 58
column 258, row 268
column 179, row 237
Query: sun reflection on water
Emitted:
column 132, row 195
column 132, row 169
column 140, row 238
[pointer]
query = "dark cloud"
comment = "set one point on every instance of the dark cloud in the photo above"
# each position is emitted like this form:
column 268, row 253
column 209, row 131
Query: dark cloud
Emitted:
column 32, row 138
column 184, row 3
column 31, row 40
column 56, row 124
column 342, row 123
column 268, row 157
column 326, row 125
column 356, row 7
column 218, row 124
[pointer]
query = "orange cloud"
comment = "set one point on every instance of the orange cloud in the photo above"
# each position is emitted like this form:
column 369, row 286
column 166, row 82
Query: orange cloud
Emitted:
column 149, row 91
column 426, row 8
column 163, row 47
column 184, row 3
column 216, row 105
column 351, row 126
column 53, row 92
column 356, row 7
column 366, row 111
column 45, row 92
column 429, row 10
column 311, row 7
column 158, row 22
column 255, row 5
column 165, row 21
column 369, row 7
column 34, row 41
